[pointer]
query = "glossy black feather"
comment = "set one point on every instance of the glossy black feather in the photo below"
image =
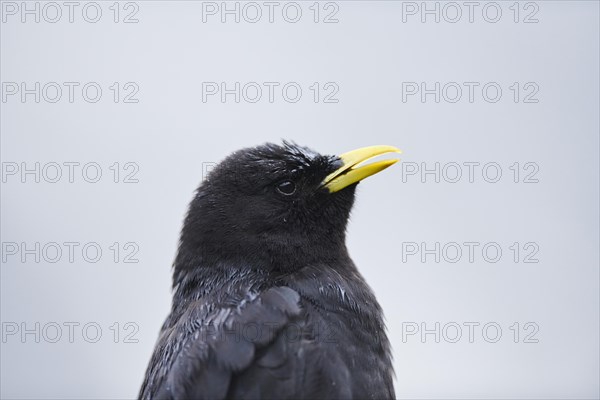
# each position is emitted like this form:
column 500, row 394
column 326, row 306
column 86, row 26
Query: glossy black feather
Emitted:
column 267, row 302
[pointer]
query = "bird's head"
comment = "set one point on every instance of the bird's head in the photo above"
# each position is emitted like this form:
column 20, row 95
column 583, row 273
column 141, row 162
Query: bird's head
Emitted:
column 278, row 207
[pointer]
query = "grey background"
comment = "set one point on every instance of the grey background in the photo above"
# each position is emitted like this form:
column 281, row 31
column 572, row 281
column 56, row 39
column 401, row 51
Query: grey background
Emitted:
column 171, row 135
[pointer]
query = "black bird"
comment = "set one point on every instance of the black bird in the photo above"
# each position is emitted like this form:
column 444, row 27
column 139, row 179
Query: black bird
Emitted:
column 267, row 302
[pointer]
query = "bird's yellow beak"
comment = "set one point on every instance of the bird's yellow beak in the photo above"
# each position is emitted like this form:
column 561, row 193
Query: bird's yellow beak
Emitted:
column 351, row 171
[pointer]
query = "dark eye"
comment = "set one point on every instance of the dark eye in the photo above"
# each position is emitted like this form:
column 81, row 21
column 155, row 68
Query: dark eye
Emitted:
column 286, row 187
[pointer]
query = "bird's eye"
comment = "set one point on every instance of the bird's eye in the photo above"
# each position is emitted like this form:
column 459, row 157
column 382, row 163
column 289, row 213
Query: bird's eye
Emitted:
column 286, row 187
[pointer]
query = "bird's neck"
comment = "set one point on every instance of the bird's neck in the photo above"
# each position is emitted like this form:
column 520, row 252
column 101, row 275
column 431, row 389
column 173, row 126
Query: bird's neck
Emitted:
column 272, row 259
column 278, row 252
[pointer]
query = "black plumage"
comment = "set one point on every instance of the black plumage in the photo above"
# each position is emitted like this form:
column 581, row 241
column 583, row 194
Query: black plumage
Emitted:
column 267, row 302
